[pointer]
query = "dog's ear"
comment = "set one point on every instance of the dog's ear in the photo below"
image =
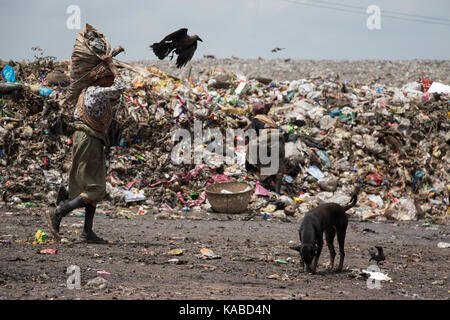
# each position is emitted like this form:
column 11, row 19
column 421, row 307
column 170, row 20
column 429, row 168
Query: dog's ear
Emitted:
column 296, row 248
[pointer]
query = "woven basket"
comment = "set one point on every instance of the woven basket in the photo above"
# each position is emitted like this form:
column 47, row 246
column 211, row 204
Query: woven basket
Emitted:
column 234, row 202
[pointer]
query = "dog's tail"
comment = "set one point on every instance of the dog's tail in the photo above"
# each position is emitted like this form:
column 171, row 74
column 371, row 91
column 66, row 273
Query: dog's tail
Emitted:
column 352, row 202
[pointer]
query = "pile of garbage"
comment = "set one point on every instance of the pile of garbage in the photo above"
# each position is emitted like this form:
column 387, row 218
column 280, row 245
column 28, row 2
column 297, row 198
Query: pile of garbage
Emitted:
column 392, row 142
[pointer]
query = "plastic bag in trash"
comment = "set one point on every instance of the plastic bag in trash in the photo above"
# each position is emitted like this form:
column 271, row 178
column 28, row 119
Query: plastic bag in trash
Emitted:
column 8, row 74
column 439, row 88
column 261, row 191
column 131, row 196
column 315, row 172
column 376, row 199
column 52, row 177
column 329, row 183
column 45, row 92
column 403, row 210
column 324, row 158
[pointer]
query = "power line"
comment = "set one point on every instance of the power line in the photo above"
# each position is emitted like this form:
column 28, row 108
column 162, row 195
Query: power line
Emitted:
column 364, row 12
column 386, row 11
column 321, row 6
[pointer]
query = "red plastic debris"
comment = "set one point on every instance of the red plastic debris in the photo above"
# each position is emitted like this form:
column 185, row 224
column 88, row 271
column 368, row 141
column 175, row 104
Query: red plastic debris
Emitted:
column 426, row 83
column 219, row 178
column 46, row 161
column 49, row 251
column 260, row 190
column 192, row 203
column 375, row 179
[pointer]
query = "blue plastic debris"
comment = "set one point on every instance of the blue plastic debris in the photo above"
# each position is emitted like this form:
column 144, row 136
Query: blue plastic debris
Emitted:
column 336, row 113
column 417, row 177
column 9, row 74
column 45, row 92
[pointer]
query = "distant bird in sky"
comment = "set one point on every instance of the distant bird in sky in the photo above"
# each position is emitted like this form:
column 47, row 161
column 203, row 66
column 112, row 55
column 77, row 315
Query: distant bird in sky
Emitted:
column 178, row 42
column 378, row 257
column 277, row 49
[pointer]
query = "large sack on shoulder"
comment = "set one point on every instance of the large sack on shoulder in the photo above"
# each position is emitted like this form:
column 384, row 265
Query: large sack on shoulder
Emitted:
column 89, row 46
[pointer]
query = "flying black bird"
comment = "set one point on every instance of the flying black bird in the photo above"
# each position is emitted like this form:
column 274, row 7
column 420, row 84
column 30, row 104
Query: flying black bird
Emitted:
column 277, row 49
column 378, row 257
column 178, row 42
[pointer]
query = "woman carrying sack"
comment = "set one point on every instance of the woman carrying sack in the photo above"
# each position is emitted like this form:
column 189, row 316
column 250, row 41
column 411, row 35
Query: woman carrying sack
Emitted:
column 87, row 179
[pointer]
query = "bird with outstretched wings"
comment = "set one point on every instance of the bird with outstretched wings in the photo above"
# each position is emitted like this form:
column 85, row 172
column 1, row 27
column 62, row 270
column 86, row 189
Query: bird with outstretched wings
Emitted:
column 179, row 43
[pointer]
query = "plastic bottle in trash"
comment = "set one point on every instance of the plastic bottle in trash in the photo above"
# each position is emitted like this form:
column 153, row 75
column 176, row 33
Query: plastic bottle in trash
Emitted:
column 290, row 95
column 335, row 113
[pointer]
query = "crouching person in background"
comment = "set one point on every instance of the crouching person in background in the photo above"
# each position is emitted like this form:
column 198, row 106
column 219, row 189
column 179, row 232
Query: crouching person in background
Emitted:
column 271, row 138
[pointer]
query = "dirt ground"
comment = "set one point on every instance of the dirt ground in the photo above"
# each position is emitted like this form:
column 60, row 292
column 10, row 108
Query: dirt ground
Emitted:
column 252, row 259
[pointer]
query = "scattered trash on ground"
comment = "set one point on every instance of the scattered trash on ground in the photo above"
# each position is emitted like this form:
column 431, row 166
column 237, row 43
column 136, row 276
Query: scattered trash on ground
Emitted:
column 97, row 283
column 175, row 252
column 443, row 245
column 206, row 253
column 48, row 251
column 40, row 237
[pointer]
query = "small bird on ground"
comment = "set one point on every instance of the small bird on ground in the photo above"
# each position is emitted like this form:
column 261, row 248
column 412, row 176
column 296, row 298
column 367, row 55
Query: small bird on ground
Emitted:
column 178, row 42
column 378, row 257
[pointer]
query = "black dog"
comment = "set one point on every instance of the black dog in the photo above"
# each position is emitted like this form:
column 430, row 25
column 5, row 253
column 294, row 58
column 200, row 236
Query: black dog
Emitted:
column 331, row 219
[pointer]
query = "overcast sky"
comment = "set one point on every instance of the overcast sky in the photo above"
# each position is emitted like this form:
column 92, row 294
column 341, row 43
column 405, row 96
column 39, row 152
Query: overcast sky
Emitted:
column 241, row 28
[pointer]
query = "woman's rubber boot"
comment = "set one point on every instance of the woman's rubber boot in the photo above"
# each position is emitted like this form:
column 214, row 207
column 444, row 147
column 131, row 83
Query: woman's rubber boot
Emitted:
column 88, row 234
column 54, row 218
